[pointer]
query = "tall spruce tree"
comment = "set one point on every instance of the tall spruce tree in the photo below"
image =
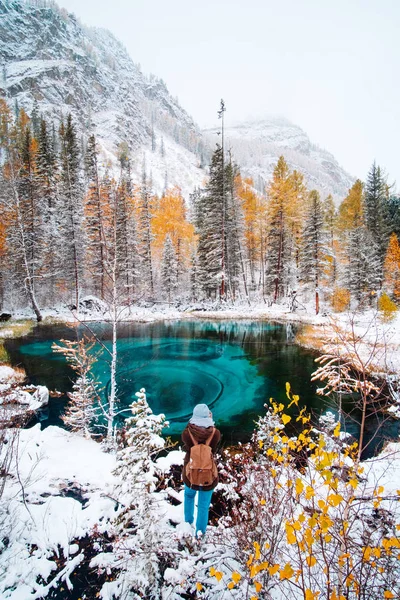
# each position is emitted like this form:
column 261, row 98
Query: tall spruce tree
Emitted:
column 47, row 173
column 96, row 203
column 376, row 210
column 145, row 236
column 169, row 269
column 314, row 252
column 211, row 231
column 280, row 236
column 364, row 271
column 71, row 201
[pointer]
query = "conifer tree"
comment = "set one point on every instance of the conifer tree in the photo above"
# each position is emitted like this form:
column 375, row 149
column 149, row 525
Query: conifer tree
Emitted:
column 394, row 214
column 169, row 269
column 330, row 218
column 280, row 237
column 376, row 210
column 363, row 270
column 314, row 247
column 97, row 205
column 235, row 243
column 17, row 208
column 139, row 532
column 145, row 235
column 71, row 204
column 211, row 232
column 81, row 412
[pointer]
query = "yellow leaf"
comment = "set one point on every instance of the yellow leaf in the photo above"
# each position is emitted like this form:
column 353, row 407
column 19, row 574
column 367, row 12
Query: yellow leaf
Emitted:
column 311, row 595
column 254, row 598
column 260, row 444
column 199, row 586
column 263, row 501
column 299, row 486
column 274, row 569
column 309, row 492
column 274, row 472
column 257, row 549
column 290, row 535
column 236, row 577
column 388, row 594
column 212, row 571
column 295, row 400
column 288, row 390
column 287, row 572
column 336, row 431
column 258, row 586
column 311, row 561
column 286, row 419
column 335, row 499
column 354, row 483
column 231, row 585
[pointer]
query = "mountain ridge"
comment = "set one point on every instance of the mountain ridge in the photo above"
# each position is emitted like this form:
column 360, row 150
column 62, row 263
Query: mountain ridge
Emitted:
column 51, row 58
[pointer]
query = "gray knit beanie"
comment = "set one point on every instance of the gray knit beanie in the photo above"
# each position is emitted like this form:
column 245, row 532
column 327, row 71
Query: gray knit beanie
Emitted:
column 201, row 416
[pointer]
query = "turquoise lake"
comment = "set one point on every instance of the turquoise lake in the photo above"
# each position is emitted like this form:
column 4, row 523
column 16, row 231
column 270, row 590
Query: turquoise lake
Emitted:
column 234, row 367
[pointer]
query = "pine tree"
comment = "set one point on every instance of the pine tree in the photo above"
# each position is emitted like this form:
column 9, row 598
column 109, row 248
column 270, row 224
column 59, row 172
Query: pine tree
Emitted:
column 392, row 267
column 394, row 214
column 97, row 205
column 80, row 413
column 314, row 246
column 363, row 270
column 71, row 201
column 138, row 523
column 376, row 210
column 235, row 242
column 19, row 201
column 168, row 269
column 145, row 235
column 330, row 219
column 211, row 234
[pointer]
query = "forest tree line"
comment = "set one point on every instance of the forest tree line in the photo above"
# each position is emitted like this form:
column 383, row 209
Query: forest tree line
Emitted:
column 70, row 220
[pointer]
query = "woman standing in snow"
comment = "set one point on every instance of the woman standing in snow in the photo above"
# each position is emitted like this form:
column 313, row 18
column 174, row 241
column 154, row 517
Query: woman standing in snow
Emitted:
column 200, row 430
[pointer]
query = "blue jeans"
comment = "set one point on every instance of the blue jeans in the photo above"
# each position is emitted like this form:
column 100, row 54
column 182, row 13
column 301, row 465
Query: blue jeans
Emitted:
column 203, row 504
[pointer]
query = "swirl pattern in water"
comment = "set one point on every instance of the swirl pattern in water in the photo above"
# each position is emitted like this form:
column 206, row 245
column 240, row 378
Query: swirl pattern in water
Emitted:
column 234, row 367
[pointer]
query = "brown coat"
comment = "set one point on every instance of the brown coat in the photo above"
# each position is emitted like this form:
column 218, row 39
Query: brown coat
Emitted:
column 200, row 434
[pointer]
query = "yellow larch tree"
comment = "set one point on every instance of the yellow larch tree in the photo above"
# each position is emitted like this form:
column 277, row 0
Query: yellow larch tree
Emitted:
column 351, row 210
column 283, row 193
column 391, row 266
column 168, row 217
column 254, row 213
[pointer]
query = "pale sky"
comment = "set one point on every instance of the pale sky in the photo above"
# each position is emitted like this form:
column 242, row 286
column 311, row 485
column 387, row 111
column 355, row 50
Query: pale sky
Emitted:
column 330, row 66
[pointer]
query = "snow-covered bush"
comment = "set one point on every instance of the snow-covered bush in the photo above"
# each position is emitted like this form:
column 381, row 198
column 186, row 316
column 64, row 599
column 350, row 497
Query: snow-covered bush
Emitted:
column 138, row 534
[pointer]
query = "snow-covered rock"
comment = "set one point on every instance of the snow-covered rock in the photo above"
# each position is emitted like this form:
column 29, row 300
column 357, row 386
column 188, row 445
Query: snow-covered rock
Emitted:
column 256, row 146
column 49, row 57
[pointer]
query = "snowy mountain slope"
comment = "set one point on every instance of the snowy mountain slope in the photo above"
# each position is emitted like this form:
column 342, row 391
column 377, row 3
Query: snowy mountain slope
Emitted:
column 47, row 56
column 257, row 144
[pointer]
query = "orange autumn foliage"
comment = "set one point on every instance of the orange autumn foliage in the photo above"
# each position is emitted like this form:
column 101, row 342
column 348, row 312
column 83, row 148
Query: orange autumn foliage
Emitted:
column 254, row 212
column 168, row 217
column 392, row 266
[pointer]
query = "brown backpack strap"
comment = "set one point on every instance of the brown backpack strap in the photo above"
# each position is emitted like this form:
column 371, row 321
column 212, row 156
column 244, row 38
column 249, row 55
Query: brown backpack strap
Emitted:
column 195, row 443
column 208, row 440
